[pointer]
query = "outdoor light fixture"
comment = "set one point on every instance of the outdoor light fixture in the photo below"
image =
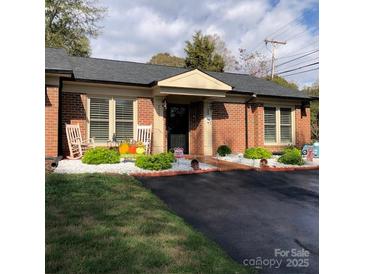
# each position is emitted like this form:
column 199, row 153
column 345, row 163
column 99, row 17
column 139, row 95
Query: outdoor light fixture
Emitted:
column 164, row 103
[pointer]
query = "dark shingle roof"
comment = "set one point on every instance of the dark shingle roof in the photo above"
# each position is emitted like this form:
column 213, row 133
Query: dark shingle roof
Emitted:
column 57, row 60
column 103, row 70
column 121, row 71
column 247, row 83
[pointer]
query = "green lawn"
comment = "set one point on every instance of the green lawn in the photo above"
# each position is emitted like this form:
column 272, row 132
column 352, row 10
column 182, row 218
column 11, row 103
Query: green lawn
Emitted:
column 111, row 224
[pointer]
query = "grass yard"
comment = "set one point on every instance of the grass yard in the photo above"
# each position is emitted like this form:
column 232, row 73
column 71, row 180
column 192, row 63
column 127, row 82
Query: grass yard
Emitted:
column 98, row 223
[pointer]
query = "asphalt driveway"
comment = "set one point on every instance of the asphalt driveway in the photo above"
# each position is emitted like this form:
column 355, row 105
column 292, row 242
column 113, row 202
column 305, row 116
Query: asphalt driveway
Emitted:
column 257, row 217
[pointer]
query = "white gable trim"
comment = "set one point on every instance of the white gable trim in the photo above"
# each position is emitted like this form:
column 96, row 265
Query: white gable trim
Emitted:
column 194, row 79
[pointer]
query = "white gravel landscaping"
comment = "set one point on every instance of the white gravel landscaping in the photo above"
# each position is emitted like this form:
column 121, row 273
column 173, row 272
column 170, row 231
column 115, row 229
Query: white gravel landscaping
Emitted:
column 128, row 167
column 272, row 162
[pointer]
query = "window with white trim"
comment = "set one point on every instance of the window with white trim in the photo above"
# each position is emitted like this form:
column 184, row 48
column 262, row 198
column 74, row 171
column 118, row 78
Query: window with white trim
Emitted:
column 109, row 116
column 278, row 125
column 285, row 125
column 123, row 119
column 99, row 119
column 270, row 125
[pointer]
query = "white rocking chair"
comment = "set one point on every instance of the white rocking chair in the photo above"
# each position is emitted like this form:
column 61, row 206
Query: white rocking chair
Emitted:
column 76, row 145
column 144, row 134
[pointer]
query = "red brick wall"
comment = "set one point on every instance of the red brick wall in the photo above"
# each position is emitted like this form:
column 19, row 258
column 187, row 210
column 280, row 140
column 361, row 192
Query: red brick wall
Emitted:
column 51, row 121
column 255, row 122
column 302, row 126
column 196, row 128
column 73, row 107
column 145, row 111
column 228, row 126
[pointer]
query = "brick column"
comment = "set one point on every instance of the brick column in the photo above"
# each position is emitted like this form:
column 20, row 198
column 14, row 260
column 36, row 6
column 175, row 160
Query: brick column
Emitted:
column 159, row 126
column 302, row 126
column 196, row 129
column 73, row 107
column 51, row 121
column 259, row 125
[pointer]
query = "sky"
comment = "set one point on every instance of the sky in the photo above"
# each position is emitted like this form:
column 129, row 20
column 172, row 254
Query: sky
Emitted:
column 136, row 30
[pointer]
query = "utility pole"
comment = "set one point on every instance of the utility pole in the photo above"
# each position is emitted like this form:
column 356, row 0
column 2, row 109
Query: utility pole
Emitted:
column 274, row 43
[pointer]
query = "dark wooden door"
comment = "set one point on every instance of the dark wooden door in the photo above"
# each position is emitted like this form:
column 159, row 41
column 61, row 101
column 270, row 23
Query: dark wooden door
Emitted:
column 178, row 127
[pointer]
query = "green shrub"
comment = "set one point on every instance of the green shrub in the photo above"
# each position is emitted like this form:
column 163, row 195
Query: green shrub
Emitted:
column 291, row 156
column 169, row 156
column 155, row 162
column 257, row 153
column 289, row 148
column 100, row 155
column 223, row 150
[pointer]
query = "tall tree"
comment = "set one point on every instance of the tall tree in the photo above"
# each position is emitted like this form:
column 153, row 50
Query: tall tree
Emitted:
column 283, row 82
column 314, row 107
column 70, row 23
column 201, row 54
column 252, row 63
column 167, row 60
column 220, row 48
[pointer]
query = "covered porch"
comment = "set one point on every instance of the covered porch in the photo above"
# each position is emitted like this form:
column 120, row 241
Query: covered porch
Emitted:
column 183, row 112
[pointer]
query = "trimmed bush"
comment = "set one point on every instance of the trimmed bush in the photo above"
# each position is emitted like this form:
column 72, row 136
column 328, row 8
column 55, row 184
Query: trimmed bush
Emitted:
column 155, row 162
column 169, row 155
column 290, row 148
column 100, row 155
column 291, row 156
column 257, row 153
column 223, row 150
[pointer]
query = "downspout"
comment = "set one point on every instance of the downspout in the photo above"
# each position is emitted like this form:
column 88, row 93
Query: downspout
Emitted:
column 253, row 96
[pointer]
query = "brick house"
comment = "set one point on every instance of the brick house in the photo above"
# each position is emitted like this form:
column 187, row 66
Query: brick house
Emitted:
column 189, row 108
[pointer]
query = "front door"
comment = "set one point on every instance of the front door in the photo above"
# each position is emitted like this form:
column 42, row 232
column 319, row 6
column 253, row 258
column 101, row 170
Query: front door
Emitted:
column 178, row 127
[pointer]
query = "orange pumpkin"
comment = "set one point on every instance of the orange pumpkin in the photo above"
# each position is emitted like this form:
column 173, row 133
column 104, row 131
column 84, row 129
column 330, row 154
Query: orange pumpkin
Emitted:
column 132, row 149
column 123, row 148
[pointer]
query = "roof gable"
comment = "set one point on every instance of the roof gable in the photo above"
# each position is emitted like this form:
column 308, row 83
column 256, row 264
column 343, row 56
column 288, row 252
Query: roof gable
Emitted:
column 194, row 79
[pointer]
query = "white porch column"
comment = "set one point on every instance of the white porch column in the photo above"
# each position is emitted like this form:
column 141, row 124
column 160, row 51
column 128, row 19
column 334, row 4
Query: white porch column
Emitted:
column 158, row 125
column 207, row 125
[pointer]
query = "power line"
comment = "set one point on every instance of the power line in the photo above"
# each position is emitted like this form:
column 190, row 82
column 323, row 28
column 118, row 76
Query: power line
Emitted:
column 297, row 58
column 316, row 63
column 307, row 46
column 301, row 72
column 294, row 55
column 304, row 61
column 255, row 48
column 286, row 25
column 301, row 33
column 299, row 53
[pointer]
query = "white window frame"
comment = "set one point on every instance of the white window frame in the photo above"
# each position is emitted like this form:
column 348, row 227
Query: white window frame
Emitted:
column 278, row 127
column 112, row 115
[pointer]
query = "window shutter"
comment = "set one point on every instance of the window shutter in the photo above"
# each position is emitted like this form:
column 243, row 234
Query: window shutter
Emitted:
column 123, row 119
column 270, row 124
column 285, row 125
column 99, row 119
